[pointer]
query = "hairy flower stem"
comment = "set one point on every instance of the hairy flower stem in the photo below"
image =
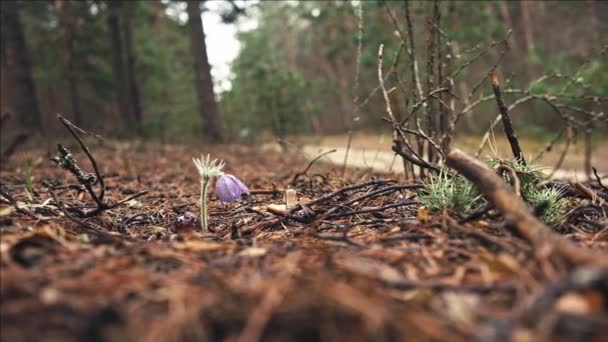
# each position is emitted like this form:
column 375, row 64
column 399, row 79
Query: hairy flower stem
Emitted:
column 204, row 186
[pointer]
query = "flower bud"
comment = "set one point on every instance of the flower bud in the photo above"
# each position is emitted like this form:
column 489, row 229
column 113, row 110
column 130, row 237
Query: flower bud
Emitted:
column 229, row 189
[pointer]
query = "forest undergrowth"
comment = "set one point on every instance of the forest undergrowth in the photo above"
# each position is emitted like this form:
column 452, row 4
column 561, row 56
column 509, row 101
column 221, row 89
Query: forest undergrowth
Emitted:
column 360, row 256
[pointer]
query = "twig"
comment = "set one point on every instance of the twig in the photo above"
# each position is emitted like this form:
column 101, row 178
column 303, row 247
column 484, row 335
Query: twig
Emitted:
column 387, row 100
column 14, row 203
column 479, row 212
column 343, row 190
column 506, row 119
column 512, row 175
column 412, row 157
column 382, row 191
column 597, row 177
column 580, row 279
column 550, row 144
column 95, row 230
column 373, row 209
column 356, row 107
column 117, row 204
column 70, row 126
column 273, row 192
column 65, row 160
column 297, row 175
column 348, row 143
column 592, row 195
column 562, row 157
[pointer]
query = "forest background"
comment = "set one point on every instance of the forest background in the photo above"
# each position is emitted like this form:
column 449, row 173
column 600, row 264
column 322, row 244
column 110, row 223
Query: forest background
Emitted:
column 140, row 68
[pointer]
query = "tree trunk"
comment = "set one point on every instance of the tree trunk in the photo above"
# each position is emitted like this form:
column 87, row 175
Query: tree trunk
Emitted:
column 133, row 84
column 527, row 31
column 123, row 105
column 18, row 69
column 208, row 108
column 525, row 25
column 66, row 24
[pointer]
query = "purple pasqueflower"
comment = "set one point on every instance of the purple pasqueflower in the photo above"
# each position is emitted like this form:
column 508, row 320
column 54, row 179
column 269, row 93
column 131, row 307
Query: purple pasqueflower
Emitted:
column 229, row 189
column 188, row 218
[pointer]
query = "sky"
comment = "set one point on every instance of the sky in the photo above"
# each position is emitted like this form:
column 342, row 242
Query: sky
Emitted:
column 222, row 45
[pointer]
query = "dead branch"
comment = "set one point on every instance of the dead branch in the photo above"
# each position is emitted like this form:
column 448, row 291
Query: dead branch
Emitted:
column 65, row 160
column 506, row 119
column 11, row 200
column 562, row 157
column 412, row 157
column 71, row 127
column 89, row 228
column 589, row 193
column 500, row 169
column 598, row 178
column 343, row 190
column 373, row 209
column 517, row 212
column 580, row 279
column 299, row 174
column 549, row 146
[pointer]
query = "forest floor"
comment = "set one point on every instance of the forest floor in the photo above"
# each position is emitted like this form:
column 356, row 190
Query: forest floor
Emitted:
column 357, row 261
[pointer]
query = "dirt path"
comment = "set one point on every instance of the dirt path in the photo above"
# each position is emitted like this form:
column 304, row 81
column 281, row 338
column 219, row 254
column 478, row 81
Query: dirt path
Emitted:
column 373, row 152
column 383, row 161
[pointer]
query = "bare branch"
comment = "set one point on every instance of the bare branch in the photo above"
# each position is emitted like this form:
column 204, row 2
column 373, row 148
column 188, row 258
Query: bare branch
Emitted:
column 506, row 119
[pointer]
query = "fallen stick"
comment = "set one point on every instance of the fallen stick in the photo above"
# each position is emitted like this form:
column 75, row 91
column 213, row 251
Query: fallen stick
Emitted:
column 516, row 211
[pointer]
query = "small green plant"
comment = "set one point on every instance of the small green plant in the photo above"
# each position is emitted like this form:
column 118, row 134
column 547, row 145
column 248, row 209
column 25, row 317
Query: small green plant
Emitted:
column 530, row 177
column 27, row 177
column 556, row 206
column 528, row 174
column 207, row 169
column 454, row 193
column 457, row 194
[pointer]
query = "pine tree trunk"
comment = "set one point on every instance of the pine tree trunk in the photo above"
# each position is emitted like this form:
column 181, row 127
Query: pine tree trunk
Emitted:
column 526, row 27
column 18, row 69
column 66, row 24
column 208, row 108
column 121, row 90
column 133, row 84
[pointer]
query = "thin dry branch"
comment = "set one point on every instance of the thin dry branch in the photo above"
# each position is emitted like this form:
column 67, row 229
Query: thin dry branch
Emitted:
column 506, row 119
column 71, row 127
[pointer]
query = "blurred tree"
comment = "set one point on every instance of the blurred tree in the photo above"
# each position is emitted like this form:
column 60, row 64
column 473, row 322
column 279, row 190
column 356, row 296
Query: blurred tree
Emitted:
column 296, row 68
column 208, row 107
column 67, row 17
column 16, row 62
column 133, row 85
column 121, row 84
